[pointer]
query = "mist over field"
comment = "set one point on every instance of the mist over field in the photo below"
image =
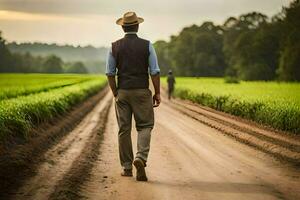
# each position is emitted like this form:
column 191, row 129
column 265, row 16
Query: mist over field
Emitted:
column 93, row 58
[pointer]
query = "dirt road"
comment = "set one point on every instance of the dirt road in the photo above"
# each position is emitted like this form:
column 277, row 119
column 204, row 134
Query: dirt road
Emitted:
column 195, row 154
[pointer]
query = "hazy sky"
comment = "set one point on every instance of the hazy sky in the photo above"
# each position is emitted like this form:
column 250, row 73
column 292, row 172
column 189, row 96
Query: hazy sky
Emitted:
column 93, row 21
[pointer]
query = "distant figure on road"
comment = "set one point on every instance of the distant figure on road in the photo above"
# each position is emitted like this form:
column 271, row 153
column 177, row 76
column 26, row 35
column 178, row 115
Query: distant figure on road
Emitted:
column 171, row 83
column 131, row 58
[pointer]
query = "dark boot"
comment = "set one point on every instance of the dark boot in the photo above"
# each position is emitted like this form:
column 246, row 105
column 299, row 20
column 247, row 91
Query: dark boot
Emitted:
column 140, row 169
column 127, row 172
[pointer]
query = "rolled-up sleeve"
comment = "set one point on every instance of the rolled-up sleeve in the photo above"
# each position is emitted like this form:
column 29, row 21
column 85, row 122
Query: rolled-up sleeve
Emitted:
column 153, row 63
column 110, row 64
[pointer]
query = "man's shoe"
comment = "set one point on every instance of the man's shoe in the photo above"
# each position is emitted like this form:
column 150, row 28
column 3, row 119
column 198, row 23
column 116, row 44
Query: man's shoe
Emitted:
column 127, row 172
column 140, row 170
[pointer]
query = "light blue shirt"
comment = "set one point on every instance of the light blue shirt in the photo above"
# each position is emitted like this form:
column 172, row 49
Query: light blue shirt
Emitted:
column 111, row 67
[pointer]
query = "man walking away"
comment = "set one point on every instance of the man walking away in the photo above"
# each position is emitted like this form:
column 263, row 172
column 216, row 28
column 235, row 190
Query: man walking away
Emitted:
column 171, row 83
column 130, row 58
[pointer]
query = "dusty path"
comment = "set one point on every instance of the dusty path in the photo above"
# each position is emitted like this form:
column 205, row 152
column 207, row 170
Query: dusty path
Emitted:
column 190, row 160
column 191, row 157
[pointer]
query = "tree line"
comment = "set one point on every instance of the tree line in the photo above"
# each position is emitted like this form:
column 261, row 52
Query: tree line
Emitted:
column 69, row 53
column 249, row 47
column 27, row 63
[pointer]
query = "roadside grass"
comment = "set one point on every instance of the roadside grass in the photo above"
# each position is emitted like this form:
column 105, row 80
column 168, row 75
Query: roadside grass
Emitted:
column 18, row 115
column 269, row 103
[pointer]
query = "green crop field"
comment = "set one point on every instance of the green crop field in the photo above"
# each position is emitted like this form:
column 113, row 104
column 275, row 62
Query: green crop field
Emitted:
column 13, row 85
column 29, row 99
column 270, row 103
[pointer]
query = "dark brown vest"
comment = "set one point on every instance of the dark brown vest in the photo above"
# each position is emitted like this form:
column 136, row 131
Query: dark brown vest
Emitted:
column 132, row 60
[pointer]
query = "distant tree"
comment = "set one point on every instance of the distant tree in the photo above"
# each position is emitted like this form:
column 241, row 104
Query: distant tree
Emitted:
column 77, row 67
column 289, row 67
column 25, row 62
column 256, row 53
column 197, row 51
column 5, row 57
column 162, row 51
column 53, row 64
column 251, row 47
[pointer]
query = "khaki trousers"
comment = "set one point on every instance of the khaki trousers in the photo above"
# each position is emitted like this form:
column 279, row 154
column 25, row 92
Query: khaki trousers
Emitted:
column 136, row 102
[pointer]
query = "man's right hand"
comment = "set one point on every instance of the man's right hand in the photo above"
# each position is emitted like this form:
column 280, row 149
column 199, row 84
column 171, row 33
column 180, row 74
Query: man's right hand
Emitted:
column 156, row 100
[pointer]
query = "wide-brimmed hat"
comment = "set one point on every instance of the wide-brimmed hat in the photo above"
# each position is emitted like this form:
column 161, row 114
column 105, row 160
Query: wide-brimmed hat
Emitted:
column 128, row 19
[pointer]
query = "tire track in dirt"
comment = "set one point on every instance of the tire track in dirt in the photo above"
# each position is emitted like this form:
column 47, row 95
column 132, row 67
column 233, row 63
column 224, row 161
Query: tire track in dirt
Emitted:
column 59, row 160
column 19, row 158
column 282, row 148
column 286, row 140
column 69, row 186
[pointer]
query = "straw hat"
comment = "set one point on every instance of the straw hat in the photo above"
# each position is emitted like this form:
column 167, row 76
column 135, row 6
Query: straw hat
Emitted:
column 128, row 19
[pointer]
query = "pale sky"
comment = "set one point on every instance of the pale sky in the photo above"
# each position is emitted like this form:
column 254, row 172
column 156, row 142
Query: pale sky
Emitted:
column 83, row 22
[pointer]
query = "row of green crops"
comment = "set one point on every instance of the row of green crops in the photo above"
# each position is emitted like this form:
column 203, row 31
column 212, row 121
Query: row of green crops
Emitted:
column 18, row 115
column 14, row 85
column 270, row 103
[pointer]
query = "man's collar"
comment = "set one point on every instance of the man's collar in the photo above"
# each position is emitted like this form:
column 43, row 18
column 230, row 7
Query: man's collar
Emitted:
column 130, row 35
column 127, row 33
